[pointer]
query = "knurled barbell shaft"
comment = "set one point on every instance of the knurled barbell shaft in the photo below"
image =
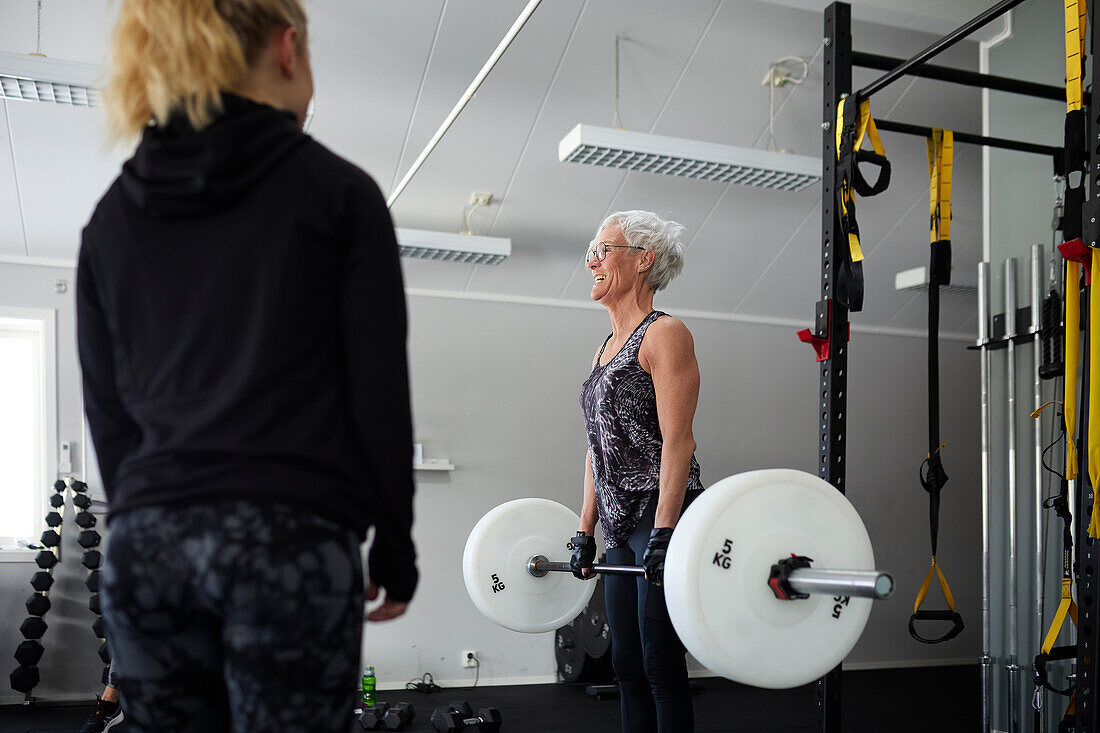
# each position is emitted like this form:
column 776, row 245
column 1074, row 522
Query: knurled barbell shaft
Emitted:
column 853, row 583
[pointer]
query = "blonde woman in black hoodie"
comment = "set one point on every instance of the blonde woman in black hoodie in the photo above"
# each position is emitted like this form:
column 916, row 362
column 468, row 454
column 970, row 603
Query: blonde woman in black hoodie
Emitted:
column 241, row 328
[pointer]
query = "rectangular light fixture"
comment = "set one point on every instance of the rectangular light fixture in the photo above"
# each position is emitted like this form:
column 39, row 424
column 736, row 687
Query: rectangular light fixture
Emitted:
column 916, row 279
column 453, row 247
column 673, row 156
column 32, row 78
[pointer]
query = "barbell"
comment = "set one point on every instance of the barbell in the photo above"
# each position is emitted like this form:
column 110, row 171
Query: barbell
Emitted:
column 728, row 544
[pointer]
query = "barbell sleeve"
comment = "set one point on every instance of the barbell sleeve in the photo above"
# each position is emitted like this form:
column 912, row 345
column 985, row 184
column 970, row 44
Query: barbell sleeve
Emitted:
column 853, row 583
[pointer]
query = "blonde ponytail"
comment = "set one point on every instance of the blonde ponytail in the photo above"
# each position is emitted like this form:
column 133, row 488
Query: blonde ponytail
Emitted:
column 181, row 54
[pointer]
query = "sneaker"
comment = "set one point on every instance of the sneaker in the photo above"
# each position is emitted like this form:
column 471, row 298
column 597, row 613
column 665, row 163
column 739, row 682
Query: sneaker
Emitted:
column 106, row 716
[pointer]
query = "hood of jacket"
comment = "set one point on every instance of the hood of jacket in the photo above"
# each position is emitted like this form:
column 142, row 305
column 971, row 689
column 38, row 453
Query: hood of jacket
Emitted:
column 178, row 171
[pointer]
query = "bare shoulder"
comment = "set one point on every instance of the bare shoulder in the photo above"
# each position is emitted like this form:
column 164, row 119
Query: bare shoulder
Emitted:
column 669, row 332
column 668, row 342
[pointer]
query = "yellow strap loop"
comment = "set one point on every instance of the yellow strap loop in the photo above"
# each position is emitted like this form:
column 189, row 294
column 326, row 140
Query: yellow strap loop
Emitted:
column 1065, row 606
column 923, row 592
column 1073, row 354
column 1039, row 411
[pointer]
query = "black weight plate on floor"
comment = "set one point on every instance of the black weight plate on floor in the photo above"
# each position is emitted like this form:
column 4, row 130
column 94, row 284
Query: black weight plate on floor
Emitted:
column 597, row 632
column 569, row 652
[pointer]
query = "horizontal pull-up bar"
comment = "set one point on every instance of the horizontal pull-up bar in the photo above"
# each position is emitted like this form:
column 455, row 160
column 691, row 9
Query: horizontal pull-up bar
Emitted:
column 959, row 76
column 941, row 45
column 965, row 137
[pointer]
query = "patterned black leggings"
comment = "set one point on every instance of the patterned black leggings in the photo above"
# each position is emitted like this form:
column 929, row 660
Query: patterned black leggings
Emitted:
column 233, row 616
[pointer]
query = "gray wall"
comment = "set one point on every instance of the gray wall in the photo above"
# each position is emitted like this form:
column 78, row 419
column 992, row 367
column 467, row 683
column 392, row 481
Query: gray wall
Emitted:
column 495, row 388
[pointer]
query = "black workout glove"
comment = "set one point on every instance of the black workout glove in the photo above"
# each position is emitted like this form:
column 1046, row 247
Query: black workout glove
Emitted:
column 654, row 557
column 584, row 553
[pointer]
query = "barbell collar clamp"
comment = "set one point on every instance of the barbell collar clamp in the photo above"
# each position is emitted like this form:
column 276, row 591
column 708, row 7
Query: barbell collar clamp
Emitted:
column 853, row 583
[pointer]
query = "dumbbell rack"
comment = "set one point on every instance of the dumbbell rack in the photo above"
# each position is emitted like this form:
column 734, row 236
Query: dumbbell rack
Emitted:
column 25, row 677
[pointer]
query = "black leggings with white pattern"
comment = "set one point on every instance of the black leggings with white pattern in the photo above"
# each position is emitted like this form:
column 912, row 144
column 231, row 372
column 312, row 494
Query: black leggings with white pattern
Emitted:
column 233, row 616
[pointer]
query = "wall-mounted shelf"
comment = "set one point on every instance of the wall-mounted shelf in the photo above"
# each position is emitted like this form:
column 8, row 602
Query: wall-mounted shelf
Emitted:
column 434, row 464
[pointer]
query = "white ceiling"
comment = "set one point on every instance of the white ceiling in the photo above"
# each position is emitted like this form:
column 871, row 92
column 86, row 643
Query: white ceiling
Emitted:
column 388, row 72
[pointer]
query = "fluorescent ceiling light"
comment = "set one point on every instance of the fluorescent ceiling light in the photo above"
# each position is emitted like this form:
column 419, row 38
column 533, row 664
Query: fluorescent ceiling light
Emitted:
column 452, row 247
column 39, row 79
column 673, row 156
column 916, row 279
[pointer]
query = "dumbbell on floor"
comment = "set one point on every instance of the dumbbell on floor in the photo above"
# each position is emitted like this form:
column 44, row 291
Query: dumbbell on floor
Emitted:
column 459, row 715
column 384, row 717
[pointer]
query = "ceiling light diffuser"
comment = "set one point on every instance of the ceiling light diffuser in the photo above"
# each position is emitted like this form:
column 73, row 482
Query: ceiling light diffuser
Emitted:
column 673, row 156
column 450, row 247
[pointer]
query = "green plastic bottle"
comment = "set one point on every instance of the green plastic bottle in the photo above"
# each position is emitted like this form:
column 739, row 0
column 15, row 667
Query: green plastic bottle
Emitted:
column 367, row 698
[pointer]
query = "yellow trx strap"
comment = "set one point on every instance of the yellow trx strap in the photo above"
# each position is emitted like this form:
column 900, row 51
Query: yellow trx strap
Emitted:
column 940, row 153
column 1075, row 51
column 865, row 127
column 933, row 477
column 1065, row 606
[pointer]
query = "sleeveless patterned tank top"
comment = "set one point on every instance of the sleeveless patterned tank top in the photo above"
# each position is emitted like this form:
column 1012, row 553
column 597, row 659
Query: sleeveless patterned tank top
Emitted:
column 624, row 437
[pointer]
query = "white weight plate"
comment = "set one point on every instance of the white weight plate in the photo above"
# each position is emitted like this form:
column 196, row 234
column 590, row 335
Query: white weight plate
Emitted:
column 494, row 566
column 716, row 577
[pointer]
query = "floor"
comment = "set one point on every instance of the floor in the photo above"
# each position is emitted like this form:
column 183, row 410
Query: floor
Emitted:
column 902, row 700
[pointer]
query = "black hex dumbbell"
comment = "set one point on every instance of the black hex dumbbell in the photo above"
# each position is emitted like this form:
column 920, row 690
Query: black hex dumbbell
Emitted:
column 85, row 520
column 57, row 501
column 104, row 653
column 23, row 679
column 371, row 718
column 28, row 652
column 42, row 581
column 92, row 581
column 456, row 717
column 45, row 559
column 50, row 538
column 92, row 559
column 88, row 539
column 98, row 629
column 53, row 519
column 82, row 501
column 384, row 717
column 37, row 604
column 93, row 604
column 33, row 628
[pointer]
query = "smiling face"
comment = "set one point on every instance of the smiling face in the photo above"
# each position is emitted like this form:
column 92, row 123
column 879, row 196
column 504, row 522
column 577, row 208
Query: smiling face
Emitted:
column 622, row 271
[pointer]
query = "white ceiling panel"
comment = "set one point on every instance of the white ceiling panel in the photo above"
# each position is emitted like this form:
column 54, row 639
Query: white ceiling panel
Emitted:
column 12, row 240
column 660, row 37
column 75, row 30
column 64, row 166
column 368, row 59
column 737, row 244
column 487, row 142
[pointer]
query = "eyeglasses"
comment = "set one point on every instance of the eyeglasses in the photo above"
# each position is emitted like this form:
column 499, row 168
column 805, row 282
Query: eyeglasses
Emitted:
column 599, row 250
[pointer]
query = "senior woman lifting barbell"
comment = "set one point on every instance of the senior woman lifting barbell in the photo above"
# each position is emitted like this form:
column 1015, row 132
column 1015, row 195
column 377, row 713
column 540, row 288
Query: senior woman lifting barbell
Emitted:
column 740, row 554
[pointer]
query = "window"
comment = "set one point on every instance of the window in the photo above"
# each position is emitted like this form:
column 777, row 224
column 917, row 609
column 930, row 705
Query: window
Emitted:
column 28, row 420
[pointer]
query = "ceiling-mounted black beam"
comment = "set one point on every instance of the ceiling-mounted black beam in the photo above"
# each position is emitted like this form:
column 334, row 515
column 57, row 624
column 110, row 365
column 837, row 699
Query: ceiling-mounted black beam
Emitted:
column 959, row 76
column 941, row 45
column 966, row 137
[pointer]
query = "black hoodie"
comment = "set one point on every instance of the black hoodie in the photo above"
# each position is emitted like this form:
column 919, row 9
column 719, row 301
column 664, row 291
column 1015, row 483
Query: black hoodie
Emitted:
column 241, row 328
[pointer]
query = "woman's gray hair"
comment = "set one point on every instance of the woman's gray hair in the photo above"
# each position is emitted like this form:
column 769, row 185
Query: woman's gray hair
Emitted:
column 646, row 229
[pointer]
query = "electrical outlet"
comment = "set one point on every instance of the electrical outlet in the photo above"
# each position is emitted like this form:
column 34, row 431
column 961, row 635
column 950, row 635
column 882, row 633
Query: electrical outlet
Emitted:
column 468, row 657
column 478, row 198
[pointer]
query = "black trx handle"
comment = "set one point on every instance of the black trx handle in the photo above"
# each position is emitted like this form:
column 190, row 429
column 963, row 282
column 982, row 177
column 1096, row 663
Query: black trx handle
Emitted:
column 1043, row 659
column 859, row 183
column 946, row 615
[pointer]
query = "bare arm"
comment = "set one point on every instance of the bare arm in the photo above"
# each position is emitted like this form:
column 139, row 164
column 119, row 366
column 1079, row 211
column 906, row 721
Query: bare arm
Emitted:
column 668, row 354
column 589, row 514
